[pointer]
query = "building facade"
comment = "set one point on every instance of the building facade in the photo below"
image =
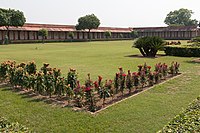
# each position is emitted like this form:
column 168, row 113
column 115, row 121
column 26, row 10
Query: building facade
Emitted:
column 29, row 33
column 170, row 32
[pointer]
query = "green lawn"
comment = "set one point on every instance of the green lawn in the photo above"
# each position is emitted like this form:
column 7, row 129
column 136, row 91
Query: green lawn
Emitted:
column 147, row 112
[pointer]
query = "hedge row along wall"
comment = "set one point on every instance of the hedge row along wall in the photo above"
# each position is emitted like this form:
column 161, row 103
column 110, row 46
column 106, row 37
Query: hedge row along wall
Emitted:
column 182, row 51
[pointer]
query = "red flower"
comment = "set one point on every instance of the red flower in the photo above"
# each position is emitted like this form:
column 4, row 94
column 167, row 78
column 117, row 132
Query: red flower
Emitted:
column 120, row 68
column 110, row 81
column 124, row 75
column 135, row 73
column 129, row 72
column 96, row 84
column 149, row 67
column 100, row 78
column 87, row 88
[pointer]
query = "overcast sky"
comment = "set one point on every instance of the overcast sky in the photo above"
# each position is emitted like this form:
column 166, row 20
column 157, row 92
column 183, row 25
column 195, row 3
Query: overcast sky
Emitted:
column 114, row 13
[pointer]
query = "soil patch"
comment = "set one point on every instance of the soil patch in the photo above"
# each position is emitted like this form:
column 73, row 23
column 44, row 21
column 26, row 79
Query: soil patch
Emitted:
column 64, row 102
column 196, row 60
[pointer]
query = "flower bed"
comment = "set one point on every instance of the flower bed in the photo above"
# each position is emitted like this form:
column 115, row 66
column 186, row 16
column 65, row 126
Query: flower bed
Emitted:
column 187, row 121
column 91, row 95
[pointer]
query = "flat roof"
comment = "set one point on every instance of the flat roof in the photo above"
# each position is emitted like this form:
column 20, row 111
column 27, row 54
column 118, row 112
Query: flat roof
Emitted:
column 53, row 27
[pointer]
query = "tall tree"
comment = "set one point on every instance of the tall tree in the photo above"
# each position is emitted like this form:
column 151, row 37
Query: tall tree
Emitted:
column 43, row 33
column 11, row 17
column 88, row 22
column 181, row 17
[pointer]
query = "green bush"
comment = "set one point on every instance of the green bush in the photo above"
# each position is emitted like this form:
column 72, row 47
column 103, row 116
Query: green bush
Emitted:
column 183, row 51
column 149, row 46
column 8, row 127
column 188, row 121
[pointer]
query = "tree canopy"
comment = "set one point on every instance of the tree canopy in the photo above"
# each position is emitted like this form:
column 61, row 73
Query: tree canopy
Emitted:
column 11, row 17
column 88, row 22
column 181, row 17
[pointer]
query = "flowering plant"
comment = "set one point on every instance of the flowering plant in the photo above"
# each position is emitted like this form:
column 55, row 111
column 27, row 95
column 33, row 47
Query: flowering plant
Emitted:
column 89, row 94
column 31, row 68
column 129, row 82
column 151, row 79
column 79, row 95
column 116, row 82
column 105, row 91
column 136, row 80
column 72, row 78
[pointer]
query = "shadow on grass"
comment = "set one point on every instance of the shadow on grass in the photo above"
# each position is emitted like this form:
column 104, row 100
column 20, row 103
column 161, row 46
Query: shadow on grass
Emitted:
column 195, row 61
column 140, row 56
column 34, row 97
column 31, row 96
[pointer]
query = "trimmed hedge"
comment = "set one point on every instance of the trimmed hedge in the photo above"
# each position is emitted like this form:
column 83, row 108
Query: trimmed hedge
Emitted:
column 183, row 51
column 187, row 121
column 8, row 127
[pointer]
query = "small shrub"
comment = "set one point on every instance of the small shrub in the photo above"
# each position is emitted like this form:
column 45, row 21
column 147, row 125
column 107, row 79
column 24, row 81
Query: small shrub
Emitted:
column 149, row 46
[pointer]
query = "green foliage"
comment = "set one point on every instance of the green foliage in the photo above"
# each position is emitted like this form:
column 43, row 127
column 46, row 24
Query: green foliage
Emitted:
column 72, row 78
column 181, row 17
column 196, row 40
column 134, row 34
column 11, row 17
column 183, row 51
column 43, row 33
column 149, row 46
column 108, row 34
column 187, row 121
column 31, row 68
column 71, row 35
column 8, row 127
column 88, row 22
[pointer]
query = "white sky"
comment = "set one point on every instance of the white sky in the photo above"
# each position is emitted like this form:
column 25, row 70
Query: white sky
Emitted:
column 114, row 13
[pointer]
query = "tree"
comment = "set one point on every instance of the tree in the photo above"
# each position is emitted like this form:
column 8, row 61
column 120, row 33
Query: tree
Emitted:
column 134, row 34
column 11, row 17
column 71, row 35
column 149, row 46
column 43, row 33
column 88, row 22
column 108, row 34
column 181, row 17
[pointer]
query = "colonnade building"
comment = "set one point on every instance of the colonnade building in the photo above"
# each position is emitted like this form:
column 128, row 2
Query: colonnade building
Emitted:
column 29, row 33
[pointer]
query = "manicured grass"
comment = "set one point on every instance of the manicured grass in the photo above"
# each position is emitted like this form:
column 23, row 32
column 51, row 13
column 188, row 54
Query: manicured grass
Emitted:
column 187, row 121
column 147, row 112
